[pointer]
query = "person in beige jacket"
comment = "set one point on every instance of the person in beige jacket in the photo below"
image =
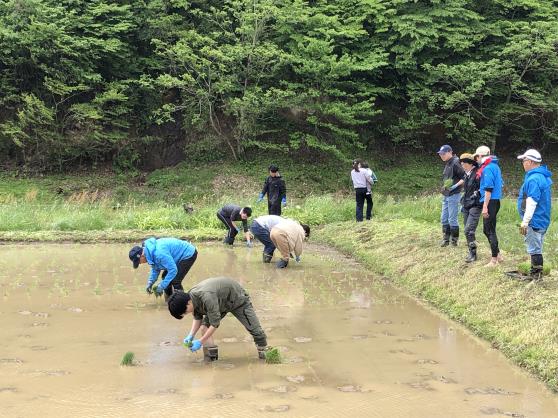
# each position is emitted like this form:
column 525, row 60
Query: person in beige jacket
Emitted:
column 287, row 236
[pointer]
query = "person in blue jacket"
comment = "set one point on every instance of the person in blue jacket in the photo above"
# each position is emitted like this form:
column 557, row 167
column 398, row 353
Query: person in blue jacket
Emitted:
column 172, row 256
column 491, row 185
column 534, row 207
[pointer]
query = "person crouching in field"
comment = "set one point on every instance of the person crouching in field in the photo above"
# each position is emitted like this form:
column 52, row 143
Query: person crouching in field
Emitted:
column 471, row 204
column 173, row 256
column 229, row 214
column 288, row 237
column 261, row 228
column 452, row 179
column 209, row 301
column 534, row 206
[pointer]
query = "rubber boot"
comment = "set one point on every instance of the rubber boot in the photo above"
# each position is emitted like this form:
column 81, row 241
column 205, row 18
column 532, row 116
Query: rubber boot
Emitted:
column 536, row 267
column 261, row 352
column 211, row 353
column 446, row 231
column 281, row 264
column 228, row 241
column 472, row 256
column 454, row 230
column 267, row 258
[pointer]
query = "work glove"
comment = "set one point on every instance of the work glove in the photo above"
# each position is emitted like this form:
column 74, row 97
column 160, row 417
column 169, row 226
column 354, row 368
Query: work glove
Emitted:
column 260, row 197
column 523, row 228
column 196, row 345
column 188, row 339
column 249, row 244
column 452, row 188
column 284, row 201
column 297, row 259
column 148, row 288
column 159, row 291
column 237, row 229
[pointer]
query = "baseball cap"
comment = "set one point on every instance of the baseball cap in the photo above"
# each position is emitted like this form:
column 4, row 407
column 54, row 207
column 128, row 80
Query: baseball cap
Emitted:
column 273, row 168
column 135, row 254
column 531, row 154
column 482, row 151
column 444, row 148
column 467, row 158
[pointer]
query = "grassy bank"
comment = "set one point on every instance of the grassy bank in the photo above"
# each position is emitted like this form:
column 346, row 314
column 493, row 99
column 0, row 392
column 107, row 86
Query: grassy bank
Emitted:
column 520, row 319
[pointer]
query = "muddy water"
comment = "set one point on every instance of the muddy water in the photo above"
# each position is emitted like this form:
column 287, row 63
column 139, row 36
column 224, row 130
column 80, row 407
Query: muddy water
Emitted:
column 352, row 346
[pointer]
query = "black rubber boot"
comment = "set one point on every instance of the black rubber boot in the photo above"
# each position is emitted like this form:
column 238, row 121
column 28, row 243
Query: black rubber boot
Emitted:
column 228, row 241
column 454, row 230
column 472, row 256
column 281, row 264
column 446, row 231
column 267, row 258
column 261, row 352
column 211, row 353
column 536, row 272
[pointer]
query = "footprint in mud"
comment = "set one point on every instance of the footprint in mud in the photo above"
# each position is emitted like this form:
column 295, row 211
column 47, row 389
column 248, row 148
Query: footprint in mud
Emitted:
column 383, row 322
column 9, row 389
column 230, row 340
column 296, row 379
column 11, row 361
column 282, row 389
column 388, row 334
column 359, row 337
column 422, row 385
column 293, row 360
column 169, row 391
column 402, row 351
column 303, row 339
column 223, row 396
column 426, row 361
column 351, row 389
column 25, row 312
column 39, row 324
column 498, row 411
column 278, row 408
column 447, row 380
column 489, row 391
column 75, row 310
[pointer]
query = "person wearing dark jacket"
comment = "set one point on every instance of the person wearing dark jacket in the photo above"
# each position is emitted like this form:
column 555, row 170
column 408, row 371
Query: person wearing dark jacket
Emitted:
column 276, row 190
column 229, row 214
column 471, row 204
column 452, row 180
column 209, row 302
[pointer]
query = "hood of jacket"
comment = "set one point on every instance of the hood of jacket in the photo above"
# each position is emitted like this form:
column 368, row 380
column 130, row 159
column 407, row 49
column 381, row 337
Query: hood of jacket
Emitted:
column 540, row 170
column 149, row 246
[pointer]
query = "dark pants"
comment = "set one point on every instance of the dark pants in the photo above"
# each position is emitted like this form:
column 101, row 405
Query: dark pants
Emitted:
column 360, row 194
column 274, row 208
column 262, row 234
column 184, row 267
column 489, row 226
column 231, row 234
column 471, row 218
column 247, row 316
column 369, row 205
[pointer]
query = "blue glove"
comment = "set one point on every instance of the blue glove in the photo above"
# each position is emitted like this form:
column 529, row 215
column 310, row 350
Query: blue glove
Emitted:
column 249, row 244
column 260, row 197
column 297, row 259
column 188, row 339
column 284, row 201
column 159, row 291
column 196, row 345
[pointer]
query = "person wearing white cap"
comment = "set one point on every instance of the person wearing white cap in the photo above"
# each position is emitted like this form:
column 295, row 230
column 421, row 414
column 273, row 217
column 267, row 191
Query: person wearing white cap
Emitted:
column 453, row 179
column 491, row 185
column 534, row 207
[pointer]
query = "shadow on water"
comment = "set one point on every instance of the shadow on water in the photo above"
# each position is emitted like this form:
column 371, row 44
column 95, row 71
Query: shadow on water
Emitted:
column 352, row 346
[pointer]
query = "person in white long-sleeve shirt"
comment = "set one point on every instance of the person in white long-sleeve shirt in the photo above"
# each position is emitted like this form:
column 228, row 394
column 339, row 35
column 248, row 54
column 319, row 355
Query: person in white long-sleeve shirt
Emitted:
column 361, row 179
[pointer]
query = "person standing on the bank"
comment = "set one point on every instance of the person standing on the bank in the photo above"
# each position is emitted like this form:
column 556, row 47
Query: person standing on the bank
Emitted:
column 491, row 185
column 288, row 237
column 276, row 190
column 261, row 229
column 361, row 180
column 452, row 178
column 534, row 205
column 229, row 214
column 471, row 204
column 172, row 256
column 369, row 203
column 209, row 302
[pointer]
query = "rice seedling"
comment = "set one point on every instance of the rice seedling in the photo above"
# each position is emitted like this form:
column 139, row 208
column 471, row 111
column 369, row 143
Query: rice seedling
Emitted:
column 525, row 268
column 128, row 359
column 273, row 356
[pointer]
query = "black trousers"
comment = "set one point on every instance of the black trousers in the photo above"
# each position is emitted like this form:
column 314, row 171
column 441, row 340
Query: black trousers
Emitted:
column 360, row 195
column 274, row 208
column 184, row 267
column 369, row 205
column 230, row 226
column 489, row 226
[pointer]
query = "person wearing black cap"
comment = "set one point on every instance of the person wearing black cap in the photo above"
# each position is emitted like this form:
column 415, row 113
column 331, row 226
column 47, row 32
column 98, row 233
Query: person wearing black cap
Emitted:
column 471, row 204
column 452, row 179
column 172, row 256
column 276, row 190
column 209, row 301
column 229, row 214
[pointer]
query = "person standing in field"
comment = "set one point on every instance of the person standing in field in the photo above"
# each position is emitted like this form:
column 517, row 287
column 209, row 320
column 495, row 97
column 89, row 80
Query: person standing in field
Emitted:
column 172, row 256
column 261, row 229
column 276, row 190
column 452, row 178
column 288, row 237
column 534, row 205
column 369, row 203
column 361, row 180
column 491, row 185
column 228, row 215
column 471, row 204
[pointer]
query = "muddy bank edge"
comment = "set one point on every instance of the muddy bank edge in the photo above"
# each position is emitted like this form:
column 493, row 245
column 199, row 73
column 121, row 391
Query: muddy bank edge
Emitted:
column 520, row 319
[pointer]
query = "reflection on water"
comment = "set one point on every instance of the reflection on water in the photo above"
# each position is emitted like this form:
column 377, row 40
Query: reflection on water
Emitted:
column 352, row 346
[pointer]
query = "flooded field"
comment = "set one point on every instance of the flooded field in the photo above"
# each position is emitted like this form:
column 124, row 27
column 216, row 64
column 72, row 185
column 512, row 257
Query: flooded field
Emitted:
column 352, row 345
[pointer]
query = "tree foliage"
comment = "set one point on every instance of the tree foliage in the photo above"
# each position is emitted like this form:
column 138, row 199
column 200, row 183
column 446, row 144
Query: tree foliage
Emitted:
column 100, row 80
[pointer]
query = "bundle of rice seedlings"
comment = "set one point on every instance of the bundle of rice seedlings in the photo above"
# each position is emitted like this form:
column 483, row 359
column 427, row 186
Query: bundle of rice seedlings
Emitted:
column 448, row 183
column 188, row 344
column 128, row 359
column 273, row 356
column 525, row 268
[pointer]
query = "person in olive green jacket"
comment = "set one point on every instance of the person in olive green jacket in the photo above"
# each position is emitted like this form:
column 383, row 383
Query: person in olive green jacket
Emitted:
column 209, row 301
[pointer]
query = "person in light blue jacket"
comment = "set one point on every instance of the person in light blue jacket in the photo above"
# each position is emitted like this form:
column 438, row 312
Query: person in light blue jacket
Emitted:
column 172, row 256
column 534, row 205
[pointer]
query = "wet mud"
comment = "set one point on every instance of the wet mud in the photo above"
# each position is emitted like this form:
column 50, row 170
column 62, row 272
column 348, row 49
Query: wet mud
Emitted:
column 352, row 346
